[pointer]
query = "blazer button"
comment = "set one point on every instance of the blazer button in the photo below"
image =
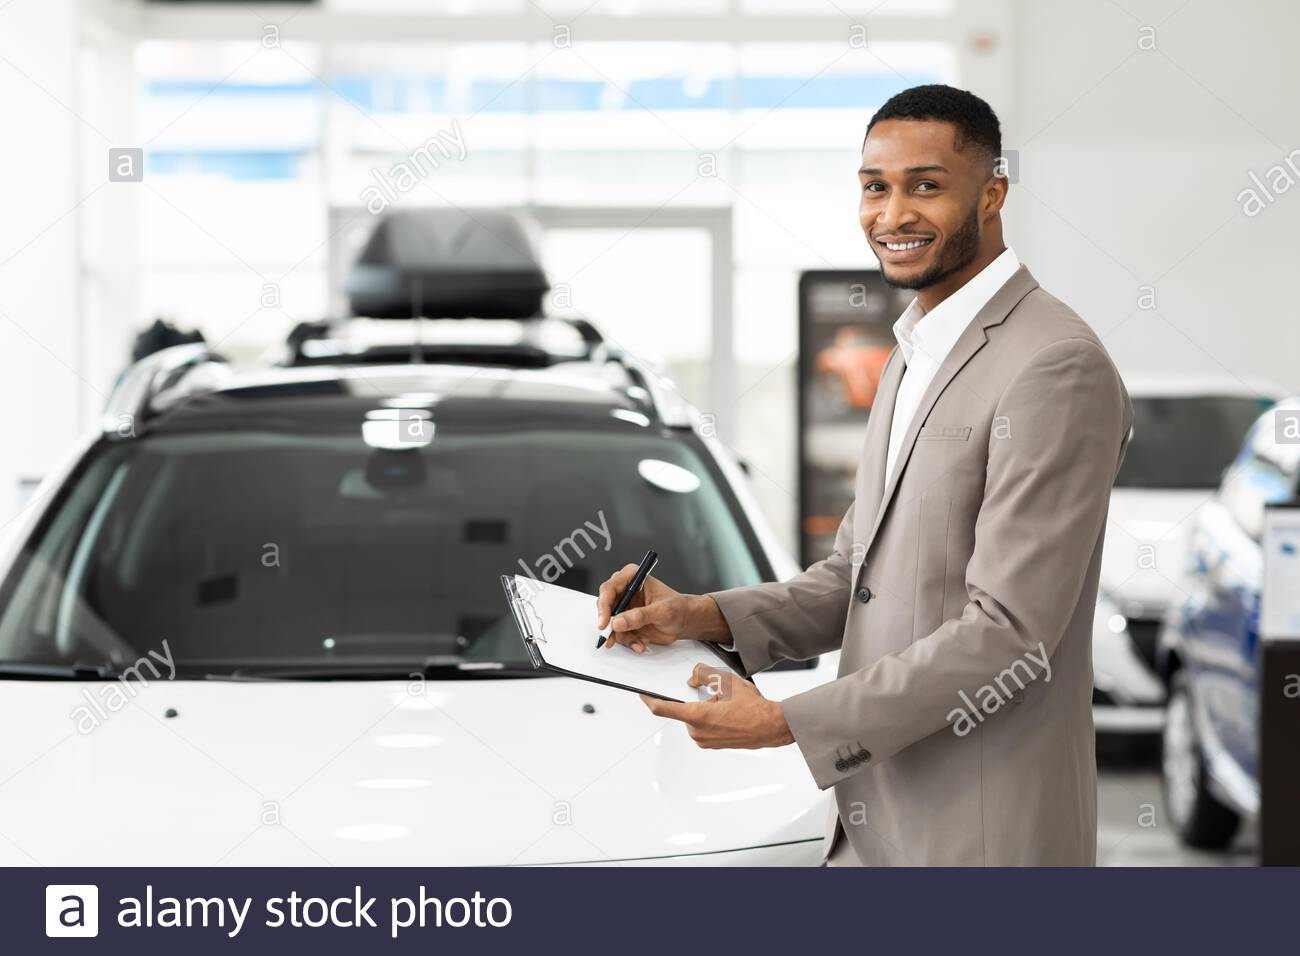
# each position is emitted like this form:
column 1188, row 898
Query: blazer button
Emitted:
column 864, row 594
column 841, row 766
column 863, row 756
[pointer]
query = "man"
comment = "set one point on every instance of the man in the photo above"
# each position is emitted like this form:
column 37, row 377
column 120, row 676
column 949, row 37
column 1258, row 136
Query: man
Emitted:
column 961, row 587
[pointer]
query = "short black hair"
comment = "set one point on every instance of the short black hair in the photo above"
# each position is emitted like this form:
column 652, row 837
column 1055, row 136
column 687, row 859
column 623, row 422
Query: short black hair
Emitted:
column 976, row 123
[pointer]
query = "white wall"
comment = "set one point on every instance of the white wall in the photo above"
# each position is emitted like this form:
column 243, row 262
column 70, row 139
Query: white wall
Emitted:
column 61, row 327
column 38, row 262
column 1132, row 160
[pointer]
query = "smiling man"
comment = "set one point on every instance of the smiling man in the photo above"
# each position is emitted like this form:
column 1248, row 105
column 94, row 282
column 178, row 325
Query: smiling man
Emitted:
column 961, row 587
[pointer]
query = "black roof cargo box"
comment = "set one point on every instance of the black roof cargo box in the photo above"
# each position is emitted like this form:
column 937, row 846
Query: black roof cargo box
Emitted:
column 447, row 264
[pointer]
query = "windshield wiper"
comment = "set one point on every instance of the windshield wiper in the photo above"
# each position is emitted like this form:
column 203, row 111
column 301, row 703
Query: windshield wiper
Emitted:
column 22, row 670
column 437, row 671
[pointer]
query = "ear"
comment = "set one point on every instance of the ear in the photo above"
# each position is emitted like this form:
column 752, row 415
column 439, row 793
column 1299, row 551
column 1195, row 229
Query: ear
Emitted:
column 994, row 195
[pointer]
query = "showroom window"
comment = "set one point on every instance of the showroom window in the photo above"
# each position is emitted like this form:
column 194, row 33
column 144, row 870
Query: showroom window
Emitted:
column 263, row 161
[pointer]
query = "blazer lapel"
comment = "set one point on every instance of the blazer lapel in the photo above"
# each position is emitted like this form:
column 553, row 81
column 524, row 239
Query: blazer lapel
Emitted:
column 971, row 341
column 875, row 448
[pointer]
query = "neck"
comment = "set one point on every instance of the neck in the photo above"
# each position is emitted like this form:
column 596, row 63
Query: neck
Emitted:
column 931, row 296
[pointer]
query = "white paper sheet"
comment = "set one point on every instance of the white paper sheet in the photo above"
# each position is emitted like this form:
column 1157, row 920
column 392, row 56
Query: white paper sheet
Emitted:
column 564, row 621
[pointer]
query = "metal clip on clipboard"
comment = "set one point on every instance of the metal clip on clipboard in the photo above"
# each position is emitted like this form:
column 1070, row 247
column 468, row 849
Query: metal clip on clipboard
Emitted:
column 524, row 613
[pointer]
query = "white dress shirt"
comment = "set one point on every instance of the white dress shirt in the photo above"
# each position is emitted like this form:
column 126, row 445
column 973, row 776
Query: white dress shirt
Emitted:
column 926, row 338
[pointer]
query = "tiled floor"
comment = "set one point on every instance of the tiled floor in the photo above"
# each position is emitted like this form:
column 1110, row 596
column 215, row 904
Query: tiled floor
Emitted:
column 1133, row 828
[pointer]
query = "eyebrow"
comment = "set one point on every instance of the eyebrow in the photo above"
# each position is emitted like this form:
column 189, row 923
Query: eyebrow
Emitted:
column 932, row 168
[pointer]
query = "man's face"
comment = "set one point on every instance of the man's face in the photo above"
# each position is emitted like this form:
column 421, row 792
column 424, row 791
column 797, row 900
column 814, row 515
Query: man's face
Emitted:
column 921, row 201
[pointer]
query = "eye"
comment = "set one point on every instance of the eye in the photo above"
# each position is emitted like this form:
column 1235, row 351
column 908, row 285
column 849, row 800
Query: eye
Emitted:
column 874, row 187
column 927, row 186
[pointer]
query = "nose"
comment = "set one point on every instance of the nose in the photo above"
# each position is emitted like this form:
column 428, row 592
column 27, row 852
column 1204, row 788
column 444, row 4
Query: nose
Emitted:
column 895, row 214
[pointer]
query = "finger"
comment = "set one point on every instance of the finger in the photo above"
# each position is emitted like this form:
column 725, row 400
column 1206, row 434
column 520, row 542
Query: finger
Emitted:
column 673, row 710
column 661, row 708
column 643, row 637
column 627, row 640
column 635, row 618
column 609, row 591
column 719, row 684
column 707, row 742
column 631, row 642
column 608, row 594
column 704, row 736
column 631, row 619
column 703, row 675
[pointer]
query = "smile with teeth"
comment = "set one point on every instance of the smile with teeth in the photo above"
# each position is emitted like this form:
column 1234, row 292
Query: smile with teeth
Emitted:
column 900, row 246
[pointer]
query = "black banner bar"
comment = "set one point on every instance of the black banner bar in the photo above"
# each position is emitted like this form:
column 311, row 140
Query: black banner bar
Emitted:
column 644, row 910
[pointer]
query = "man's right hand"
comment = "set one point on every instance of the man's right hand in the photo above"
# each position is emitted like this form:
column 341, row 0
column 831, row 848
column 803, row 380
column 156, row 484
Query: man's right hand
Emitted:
column 658, row 614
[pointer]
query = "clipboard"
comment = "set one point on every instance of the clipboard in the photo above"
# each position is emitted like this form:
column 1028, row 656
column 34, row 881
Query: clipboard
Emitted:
column 557, row 626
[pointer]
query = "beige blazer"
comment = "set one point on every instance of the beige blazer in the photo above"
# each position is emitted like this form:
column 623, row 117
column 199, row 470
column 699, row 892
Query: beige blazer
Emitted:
column 961, row 594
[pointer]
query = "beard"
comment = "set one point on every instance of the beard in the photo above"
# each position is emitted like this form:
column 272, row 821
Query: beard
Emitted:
column 956, row 254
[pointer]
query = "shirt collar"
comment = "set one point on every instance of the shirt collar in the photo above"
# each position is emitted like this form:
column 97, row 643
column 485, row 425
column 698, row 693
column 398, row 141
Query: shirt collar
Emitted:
column 944, row 324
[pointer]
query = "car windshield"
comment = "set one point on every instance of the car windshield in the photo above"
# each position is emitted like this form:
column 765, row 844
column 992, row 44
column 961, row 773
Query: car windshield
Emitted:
column 309, row 551
column 1186, row 442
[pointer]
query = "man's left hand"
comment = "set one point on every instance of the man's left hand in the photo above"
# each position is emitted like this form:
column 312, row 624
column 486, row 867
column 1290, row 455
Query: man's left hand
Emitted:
column 736, row 716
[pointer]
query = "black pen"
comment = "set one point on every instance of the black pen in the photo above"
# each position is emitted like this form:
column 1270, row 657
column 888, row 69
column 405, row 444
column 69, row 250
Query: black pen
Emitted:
column 642, row 572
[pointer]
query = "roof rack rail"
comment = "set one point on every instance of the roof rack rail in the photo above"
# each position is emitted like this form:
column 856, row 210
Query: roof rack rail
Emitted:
column 530, row 352
column 138, row 391
column 669, row 404
column 591, row 336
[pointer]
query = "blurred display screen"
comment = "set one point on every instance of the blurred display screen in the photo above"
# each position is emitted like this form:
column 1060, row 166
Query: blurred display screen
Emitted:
column 846, row 322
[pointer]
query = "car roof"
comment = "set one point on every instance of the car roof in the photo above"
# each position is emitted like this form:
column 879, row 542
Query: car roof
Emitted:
column 566, row 393
column 325, row 377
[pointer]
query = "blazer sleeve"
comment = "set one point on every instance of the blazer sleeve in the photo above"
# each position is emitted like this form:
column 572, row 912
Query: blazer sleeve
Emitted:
column 795, row 619
column 1046, row 494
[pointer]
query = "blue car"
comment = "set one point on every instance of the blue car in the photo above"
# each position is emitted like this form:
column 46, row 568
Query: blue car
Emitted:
column 1210, row 651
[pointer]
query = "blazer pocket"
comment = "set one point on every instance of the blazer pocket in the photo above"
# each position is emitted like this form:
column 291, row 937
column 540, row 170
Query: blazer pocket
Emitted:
column 943, row 433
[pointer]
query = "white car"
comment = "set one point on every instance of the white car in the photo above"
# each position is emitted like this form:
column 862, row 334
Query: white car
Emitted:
column 1186, row 431
column 253, row 620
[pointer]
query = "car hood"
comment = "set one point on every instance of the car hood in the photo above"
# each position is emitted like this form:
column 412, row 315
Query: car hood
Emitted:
column 1146, row 547
column 467, row 772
